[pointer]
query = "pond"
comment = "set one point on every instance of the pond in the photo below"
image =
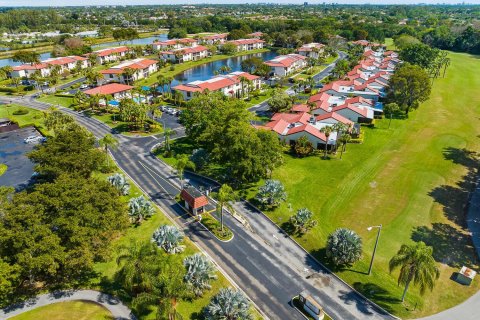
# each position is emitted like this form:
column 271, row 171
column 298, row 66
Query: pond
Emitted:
column 207, row 70
column 141, row 41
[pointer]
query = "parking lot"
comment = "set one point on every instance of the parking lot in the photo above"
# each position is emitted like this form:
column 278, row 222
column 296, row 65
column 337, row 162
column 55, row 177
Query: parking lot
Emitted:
column 169, row 120
column 13, row 152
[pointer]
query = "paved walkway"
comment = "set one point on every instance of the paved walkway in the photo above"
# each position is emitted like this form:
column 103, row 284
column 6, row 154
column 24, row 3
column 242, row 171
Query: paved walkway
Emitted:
column 114, row 305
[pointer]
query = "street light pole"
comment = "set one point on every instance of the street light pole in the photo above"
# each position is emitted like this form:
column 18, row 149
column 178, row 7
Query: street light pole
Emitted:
column 375, row 248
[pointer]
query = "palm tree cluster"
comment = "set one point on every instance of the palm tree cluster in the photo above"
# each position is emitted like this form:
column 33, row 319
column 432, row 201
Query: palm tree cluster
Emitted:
column 228, row 304
column 140, row 209
column 120, row 183
column 344, row 247
column 302, row 221
column 169, row 238
column 199, row 272
column 272, row 193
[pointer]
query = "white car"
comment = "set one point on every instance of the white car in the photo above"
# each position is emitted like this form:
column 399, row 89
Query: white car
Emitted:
column 34, row 139
column 84, row 86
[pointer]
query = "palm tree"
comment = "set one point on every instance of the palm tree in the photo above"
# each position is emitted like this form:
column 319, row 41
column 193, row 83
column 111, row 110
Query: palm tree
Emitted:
column 167, row 288
column 169, row 81
column 167, row 133
column 127, row 75
column 162, row 81
column 416, row 263
column 92, row 59
column 271, row 193
column 94, row 101
column 344, row 247
column 93, row 77
column 120, row 183
column 199, row 273
column 302, row 220
column 228, row 304
column 136, row 267
column 344, row 139
column 5, row 71
column 108, row 141
column 16, row 82
column 327, row 130
column 169, row 238
column 139, row 209
column 224, row 196
column 183, row 162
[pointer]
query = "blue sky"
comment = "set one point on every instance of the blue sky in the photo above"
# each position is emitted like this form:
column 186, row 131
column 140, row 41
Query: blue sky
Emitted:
column 138, row 2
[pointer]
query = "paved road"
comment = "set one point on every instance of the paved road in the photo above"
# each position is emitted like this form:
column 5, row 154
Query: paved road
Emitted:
column 270, row 270
column 114, row 305
column 263, row 106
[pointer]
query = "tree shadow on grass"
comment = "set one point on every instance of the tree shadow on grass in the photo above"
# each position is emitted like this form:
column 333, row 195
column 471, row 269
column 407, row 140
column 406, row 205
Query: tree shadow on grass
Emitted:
column 382, row 297
column 450, row 245
column 454, row 199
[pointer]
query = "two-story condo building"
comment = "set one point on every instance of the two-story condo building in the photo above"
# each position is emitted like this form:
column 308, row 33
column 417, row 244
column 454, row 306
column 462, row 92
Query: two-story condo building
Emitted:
column 185, row 54
column 219, row 38
column 284, row 65
column 174, row 44
column 116, row 90
column 230, row 85
column 45, row 67
column 312, row 50
column 247, row 44
column 110, row 54
column 142, row 69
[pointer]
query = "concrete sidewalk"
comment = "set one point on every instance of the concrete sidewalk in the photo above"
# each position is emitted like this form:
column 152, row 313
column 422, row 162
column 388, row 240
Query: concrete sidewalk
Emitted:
column 114, row 305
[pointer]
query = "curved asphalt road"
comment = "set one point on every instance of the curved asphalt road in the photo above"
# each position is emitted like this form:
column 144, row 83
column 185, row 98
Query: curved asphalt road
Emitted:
column 114, row 305
column 263, row 261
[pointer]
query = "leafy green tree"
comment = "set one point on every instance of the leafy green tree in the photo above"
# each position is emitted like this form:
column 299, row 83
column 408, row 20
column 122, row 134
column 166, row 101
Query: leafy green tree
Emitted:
column 228, row 48
column 251, row 65
column 303, row 147
column 199, row 272
column 405, row 40
column 280, row 101
column 228, row 304
column 72, row 150
column 344, row 247
column 419, row 54
column 56, row 120
column 140, row 209
column 176, row 32
column 9, row 281
column 390, row 109
column 408, row 87
column 416, row 264
column 120, row 183
column 183, row 162
column 224, row 196
column 169, row 238
column 302, row 220
column 272, row 193
column 25, row 56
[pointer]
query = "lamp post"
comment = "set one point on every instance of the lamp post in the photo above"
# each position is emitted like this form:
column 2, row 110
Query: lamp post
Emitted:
column 376, row 244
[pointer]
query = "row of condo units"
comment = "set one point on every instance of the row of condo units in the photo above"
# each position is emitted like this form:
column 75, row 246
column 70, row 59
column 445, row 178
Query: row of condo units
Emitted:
column 231, row 85
column 350, row 102
column 45, row 67
column 140, row 69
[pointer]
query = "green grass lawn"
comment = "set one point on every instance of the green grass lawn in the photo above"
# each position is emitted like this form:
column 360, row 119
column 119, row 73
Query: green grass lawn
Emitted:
column 389, row 43
column 32, row 118
column 143, row 233
column 413, row 178
column 316, row 69
column 79, row 310
column 66, row 102
column 178, row 68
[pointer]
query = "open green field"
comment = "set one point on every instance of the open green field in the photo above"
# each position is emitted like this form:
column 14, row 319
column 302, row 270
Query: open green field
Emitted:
column 413, row 178
column 79, row 310
column 32, row 118
column 66, row 102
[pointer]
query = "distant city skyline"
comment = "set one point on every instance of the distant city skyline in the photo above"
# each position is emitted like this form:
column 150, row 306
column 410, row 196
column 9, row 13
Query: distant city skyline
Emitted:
column 30, row 3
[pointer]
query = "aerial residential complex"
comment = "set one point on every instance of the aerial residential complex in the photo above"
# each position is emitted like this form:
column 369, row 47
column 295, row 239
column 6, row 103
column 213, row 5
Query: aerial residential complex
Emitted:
column 285, row 65
column 141, row 69
column 45, row 67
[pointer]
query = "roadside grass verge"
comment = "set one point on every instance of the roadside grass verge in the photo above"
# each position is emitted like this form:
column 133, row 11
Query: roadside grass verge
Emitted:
column 79, row 310
column 32, row 118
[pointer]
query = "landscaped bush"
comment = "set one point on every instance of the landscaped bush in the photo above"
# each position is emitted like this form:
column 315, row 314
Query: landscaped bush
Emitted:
column 20, row 111
column 64, row 95
column 8, row 89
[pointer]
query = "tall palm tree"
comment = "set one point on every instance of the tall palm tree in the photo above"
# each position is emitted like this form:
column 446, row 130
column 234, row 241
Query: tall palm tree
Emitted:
column 92, row 59
column 5, row 71
column 224, row 196
column 108, row 141
column 327, row 130
column 199, row 273
column 93, row 77
column 416, row 264
column 127, row 75
column 183, row 162
column 167, row 133
column 162, row 81
column 344, row 139
column 136, row 267
column 167, row 288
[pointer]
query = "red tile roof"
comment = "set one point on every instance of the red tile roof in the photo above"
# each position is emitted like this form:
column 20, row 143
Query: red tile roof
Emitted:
column 173, row 42
column 308, row 128
column 292, row 117
column 278, row 126
column 245, row 41
column 110, row 88
column 362, row 112
column 215, row 36
column 310, row 47
column 37, row 66
column 285, row 60
column 359, row 99
column 215, row 83
column 194, row 201
column 335, row 116
column 187, row 50
column 301, row 108
column 110, row 51
column 138, row 64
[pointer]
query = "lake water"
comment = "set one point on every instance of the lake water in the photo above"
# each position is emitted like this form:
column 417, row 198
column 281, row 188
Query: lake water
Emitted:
column 141, row 41
column 207, row 70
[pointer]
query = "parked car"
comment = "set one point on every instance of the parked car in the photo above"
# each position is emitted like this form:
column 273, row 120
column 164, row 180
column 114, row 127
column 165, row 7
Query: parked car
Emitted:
column 84, row 86
column 34, row 139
